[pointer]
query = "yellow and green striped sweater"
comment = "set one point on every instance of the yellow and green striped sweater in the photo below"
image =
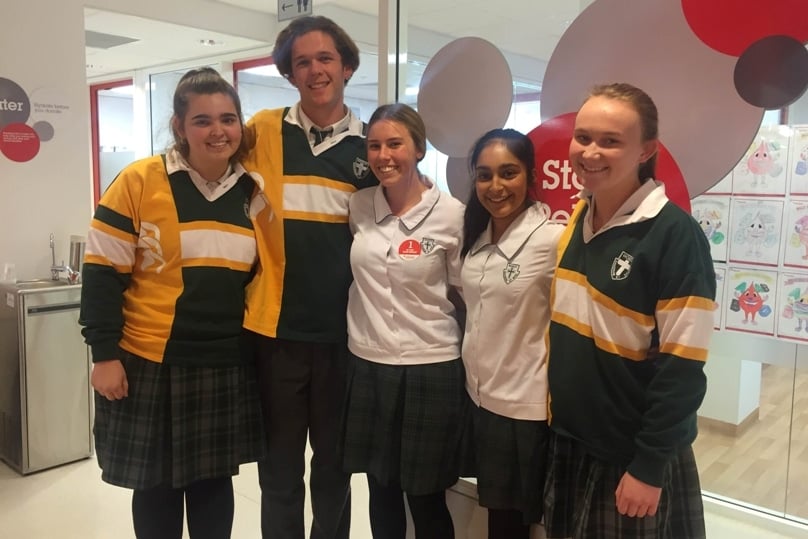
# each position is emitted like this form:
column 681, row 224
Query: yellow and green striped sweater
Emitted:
column 165, row 268
column 300, row 290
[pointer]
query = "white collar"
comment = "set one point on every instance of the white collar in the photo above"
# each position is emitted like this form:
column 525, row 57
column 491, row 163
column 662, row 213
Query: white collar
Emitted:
column 643, row 204
column 211, row 190
column 415, row 215
column 347, row 126
column 517, row 232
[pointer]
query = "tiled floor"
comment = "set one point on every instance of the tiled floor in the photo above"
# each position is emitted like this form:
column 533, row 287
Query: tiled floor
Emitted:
column 71, row 502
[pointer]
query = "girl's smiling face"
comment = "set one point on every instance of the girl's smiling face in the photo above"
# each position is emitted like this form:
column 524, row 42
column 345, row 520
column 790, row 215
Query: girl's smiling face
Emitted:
column 501, row 182
column 607, row 149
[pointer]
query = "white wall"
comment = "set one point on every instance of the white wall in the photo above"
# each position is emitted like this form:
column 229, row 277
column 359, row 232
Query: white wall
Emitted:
column 51, row 192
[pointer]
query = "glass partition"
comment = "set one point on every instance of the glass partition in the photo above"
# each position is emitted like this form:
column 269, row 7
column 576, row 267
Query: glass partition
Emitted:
column 112, row 131
column 161, row 99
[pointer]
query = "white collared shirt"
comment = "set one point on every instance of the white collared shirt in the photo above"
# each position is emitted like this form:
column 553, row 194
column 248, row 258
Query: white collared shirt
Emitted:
column 398, row 307
column 506, row 286
column 348, row 125
column 644, row 203
column 211, row 190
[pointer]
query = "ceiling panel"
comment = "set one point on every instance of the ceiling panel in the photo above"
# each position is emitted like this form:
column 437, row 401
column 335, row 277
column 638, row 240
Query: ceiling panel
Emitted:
column 498, row 21
column 501, row 22
column 153, row 43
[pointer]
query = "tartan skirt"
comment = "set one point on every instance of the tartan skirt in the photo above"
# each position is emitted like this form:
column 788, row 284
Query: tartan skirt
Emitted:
column 508, row 457
column 178, row 425
column 580, row 498
column 402, row 423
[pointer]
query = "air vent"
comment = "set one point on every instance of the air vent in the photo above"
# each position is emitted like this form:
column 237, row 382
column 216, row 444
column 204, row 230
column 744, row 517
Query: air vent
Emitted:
column 97, row 40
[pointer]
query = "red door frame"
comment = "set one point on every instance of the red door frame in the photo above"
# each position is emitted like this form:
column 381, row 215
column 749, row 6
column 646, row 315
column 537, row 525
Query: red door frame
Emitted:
column 247, row 64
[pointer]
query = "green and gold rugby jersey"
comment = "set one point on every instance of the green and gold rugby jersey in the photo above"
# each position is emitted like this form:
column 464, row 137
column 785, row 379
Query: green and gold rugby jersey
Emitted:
column 645, row 279
column 300, row 291
column 165, row 268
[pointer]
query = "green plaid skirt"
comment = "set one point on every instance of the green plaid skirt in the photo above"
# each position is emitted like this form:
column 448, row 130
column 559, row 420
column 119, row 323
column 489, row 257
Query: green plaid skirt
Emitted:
column 178, row 425
column 402, row 423
column 580, row 498
column 507, row 456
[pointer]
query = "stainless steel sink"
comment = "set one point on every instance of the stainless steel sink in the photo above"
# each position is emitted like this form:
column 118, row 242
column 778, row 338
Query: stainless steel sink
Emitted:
column 27, row 284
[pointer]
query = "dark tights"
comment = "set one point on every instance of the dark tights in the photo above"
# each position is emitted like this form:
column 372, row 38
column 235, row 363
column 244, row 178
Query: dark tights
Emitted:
column 388, row 519
column 507, row 524
column 157, row 512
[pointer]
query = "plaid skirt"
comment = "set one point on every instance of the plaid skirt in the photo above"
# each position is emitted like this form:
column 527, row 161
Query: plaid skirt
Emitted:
column 508, row 457
column 580, row 498
column 178, row 425
column 402, row 423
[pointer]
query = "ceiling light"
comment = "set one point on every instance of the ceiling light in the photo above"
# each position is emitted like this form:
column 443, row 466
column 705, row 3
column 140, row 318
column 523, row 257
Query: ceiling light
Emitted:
column 210, row 43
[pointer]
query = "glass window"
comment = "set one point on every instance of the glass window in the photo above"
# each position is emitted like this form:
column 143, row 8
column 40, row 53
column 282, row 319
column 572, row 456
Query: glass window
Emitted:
column 111, row 106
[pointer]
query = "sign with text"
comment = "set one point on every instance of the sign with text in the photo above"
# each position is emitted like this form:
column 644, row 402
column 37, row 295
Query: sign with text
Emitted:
column 25, row 122
column 291, row 9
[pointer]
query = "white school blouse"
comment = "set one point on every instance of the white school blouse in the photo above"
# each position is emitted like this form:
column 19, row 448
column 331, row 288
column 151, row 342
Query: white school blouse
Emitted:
column 506, row 286
column 398, row 307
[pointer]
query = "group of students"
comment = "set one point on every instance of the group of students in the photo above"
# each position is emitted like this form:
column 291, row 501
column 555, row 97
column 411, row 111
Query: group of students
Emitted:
column 298, row 279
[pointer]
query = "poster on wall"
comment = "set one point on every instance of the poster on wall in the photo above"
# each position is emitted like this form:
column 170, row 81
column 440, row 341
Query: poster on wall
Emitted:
column 798, row 164
column 750, row 300
column 755, row 231
column 792, row 315
column 762, row 171
column 720, row 281
column 723, row 187
column 712, row 214
column 795, row 234
column 27, row 121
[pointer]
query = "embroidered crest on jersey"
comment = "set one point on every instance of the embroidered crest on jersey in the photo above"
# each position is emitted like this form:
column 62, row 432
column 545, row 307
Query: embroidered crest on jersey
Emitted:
column 427, row 244
column 149, row 242
column 360, row 168
column 621, row 266
column 510, row 273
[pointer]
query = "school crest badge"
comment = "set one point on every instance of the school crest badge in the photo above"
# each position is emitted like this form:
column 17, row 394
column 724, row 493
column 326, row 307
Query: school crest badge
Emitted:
column 621, row 266
column 427, row 244
column 360, row 168
column 510, row 273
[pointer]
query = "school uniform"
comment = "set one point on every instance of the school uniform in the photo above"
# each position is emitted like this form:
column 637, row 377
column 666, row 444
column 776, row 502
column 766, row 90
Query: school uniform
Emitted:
column 404, row 408
column 296, row 307
column 167, row 260
column 506, row 286
column 645, row 278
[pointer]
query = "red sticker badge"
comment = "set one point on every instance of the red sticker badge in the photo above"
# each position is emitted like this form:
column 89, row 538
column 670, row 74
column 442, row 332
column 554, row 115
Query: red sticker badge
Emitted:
column 409, row 249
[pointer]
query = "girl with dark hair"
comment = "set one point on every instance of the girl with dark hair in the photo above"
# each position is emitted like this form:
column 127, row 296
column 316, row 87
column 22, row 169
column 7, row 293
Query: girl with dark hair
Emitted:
column 170, row 249
column 509, row 246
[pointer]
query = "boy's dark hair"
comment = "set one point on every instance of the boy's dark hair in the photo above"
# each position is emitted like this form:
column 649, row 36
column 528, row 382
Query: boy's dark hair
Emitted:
column 282, row 53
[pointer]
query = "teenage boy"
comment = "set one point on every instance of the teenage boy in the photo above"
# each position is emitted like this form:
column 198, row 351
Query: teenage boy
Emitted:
column 312, row 156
